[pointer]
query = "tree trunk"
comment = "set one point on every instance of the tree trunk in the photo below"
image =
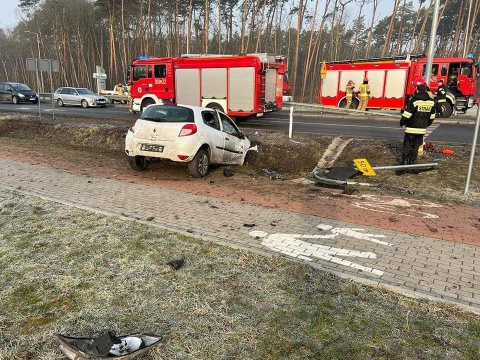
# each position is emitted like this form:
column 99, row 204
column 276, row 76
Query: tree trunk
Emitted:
column 370, row 31
column 357, row 30
column 391, row 25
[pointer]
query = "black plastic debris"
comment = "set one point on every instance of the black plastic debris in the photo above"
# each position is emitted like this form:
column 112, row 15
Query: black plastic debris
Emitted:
column 249, row 225
column 107, row 346
column 228, row 172
column 349, row 190
column 342, row 173
column 176, row 264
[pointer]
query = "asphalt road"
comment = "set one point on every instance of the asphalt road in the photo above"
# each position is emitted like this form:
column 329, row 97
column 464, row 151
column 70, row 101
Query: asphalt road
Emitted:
column 328, row 121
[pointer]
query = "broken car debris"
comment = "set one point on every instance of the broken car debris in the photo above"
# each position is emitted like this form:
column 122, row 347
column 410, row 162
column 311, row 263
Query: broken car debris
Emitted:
column 107, row 346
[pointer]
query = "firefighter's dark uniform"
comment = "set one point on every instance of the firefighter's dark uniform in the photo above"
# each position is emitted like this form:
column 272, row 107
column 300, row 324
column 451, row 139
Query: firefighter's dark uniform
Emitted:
column 418, row 115
column 441, row 97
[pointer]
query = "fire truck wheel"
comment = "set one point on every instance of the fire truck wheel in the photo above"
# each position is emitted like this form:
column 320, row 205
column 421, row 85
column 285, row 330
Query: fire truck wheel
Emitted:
column 147, row 102
column 198, row 167
column 446, row 110
column 239, row 119
column 215, row 106
column 138, row 163
column 353, row 105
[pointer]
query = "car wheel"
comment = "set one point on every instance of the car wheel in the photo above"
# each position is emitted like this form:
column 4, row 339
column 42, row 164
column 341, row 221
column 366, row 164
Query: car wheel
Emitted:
column 215, row 106
column 138, row 163
column 15, row 100
column 35, row 102
column 60, row 102
column 198, row 167
column 84, row 104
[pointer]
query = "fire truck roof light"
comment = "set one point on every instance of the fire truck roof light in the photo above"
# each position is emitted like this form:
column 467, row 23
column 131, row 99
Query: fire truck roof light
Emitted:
column 141, row 57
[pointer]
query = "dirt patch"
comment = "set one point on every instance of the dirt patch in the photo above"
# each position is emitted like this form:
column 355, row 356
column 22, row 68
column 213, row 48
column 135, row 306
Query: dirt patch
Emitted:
column 278, row 176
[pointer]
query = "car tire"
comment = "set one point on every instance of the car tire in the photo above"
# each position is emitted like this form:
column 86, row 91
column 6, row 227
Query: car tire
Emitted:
column 60, row 102
column 35, row 102
column 15, row 100
column 84, row 104
column 138, row 163
column 198, row 167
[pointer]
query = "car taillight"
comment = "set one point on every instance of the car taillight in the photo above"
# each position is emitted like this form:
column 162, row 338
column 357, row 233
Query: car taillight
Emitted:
column 188, row 130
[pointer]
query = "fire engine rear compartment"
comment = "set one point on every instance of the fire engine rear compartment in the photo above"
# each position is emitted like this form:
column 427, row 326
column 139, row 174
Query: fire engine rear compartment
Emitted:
column 387, row 85
column 231, row 88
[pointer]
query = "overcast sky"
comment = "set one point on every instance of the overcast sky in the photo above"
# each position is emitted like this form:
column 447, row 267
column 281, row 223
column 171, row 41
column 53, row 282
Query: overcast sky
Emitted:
column 9, row 18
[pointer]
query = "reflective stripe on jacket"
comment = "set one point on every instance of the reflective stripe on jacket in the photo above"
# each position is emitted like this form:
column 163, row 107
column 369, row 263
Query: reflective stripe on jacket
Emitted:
column 364, row 91
column 349, row 90
column 441, row 94
column 419, row 113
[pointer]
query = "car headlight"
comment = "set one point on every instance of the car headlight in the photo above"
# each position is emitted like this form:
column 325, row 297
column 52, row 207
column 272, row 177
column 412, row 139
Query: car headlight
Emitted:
column 21, row 95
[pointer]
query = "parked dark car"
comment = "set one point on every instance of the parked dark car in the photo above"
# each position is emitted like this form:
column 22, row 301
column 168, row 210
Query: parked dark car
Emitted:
column 17, row 93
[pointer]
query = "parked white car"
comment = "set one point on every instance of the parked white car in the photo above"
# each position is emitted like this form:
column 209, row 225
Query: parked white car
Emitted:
column 78, row 96
column 190, row 134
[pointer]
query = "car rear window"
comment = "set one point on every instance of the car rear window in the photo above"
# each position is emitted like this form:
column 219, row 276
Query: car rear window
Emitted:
column 160, row 113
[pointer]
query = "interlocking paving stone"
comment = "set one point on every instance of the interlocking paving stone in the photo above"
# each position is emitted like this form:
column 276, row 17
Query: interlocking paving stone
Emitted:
column 417, row 264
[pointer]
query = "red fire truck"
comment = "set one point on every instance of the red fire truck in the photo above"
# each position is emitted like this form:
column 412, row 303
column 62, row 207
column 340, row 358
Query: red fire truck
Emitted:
column 239, row 85
column 391, row 81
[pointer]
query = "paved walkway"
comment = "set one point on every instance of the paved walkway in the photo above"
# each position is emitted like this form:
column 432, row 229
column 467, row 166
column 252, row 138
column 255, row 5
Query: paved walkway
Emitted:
column 413, row 264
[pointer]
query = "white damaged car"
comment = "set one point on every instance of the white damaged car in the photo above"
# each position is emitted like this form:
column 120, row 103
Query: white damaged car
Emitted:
column 189, row 134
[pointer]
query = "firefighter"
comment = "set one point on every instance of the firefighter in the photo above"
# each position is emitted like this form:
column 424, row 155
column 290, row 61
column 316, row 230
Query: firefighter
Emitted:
column 441, row 97
column 417, row 116
column 120, row 89
column 364, row 95
column 349, row 93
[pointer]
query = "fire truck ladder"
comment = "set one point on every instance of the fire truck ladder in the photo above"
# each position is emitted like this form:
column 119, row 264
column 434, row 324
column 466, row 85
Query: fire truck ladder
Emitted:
column 391, row 58
column 263, row 71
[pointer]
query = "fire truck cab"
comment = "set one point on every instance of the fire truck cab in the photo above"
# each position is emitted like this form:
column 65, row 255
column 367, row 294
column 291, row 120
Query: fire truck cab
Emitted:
column 391, row 81
column 239, row 85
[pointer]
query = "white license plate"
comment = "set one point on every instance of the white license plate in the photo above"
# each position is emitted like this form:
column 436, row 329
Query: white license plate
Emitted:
column 149, row 147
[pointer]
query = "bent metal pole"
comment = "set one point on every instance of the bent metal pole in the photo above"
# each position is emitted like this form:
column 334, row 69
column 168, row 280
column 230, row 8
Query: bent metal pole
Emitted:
column 472, row 153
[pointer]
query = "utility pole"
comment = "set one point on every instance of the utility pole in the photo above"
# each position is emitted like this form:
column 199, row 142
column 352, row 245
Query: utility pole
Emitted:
column 467, row 30
column 431, row 45
column 39, row 57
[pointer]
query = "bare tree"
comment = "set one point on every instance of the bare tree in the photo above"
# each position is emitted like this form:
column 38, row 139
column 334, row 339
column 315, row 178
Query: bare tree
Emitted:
column 360, row 3
column 370, row 31
column 391, row 25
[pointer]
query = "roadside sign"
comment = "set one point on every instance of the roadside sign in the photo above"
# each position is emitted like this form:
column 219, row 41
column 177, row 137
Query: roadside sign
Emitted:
column 46, row 65
column 31, row 64
column 99, row 76
column 364, row 166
